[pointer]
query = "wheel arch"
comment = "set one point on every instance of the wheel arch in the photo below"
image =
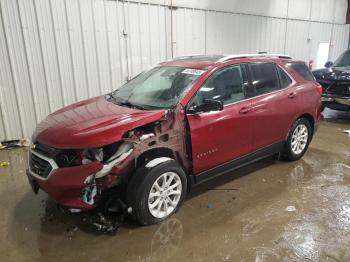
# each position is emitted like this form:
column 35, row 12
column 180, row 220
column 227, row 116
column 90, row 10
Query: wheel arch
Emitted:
column 309, row 118
column 154, row 153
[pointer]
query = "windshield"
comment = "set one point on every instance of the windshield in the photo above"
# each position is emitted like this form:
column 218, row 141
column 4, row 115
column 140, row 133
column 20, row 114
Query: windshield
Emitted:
column 158, row 88
column 343, row 60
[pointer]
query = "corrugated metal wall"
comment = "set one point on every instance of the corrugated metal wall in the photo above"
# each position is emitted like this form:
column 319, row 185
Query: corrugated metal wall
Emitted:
column 56, row 52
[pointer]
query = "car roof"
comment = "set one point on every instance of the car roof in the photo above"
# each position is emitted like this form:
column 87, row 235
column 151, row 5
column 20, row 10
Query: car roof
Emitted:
column 193, row 61
column 207, row 61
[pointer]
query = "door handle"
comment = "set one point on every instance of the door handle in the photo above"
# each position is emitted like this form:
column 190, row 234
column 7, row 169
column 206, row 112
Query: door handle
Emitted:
column 292, row 95
column 244, row 110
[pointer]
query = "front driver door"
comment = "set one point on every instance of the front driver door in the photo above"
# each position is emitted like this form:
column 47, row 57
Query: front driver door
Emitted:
column 220, row 136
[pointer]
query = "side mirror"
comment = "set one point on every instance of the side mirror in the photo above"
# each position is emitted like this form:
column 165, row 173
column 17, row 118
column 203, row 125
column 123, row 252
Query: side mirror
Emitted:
column 328, row 64
column 208, row 105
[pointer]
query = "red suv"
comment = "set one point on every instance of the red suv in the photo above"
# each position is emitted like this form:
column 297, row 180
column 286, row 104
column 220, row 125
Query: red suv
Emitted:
column 170, row 128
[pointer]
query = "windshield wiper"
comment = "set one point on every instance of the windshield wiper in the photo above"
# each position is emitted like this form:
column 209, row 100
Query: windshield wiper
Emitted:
column 125, row 102
column 128, row 104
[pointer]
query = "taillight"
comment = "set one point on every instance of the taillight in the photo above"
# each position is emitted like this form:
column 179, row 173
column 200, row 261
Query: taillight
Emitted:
column 319, row 89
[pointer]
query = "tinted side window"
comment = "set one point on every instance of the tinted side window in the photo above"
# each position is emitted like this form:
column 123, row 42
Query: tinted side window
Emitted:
column 284, row 78
column 303, row 71
column 264, row 78
column 226, row 85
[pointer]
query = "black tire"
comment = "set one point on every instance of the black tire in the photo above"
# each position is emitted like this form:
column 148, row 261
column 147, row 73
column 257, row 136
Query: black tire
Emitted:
column 288, row 153
column 140, row 185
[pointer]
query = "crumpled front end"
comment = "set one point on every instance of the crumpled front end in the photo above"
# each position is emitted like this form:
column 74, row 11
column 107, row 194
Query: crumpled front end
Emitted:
column 66, row 185
column 336, row 87
column 82, row 179
column 74, row 178
column 337, row 96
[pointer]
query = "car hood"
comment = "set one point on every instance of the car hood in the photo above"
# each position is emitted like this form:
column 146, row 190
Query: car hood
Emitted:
column 91, row 123
column 333, row 74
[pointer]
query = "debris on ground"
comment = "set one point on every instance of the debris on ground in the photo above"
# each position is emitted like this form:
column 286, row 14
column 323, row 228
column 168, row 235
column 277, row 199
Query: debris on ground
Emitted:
column 290, row 208
column 4, row 164
column 71, row 232
column 13, row 143
column 110, row 218
column 103, row 222
column 210, row 205
column 231, row 200
column 347, row 131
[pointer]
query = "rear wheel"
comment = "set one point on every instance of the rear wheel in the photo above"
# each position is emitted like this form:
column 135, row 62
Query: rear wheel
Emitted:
column 298, row 140
column 156, row 192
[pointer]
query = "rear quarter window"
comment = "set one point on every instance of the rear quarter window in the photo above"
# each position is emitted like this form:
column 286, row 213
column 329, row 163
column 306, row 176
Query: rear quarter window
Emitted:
column 284, row 78
column 264, row 77
column 302, row 70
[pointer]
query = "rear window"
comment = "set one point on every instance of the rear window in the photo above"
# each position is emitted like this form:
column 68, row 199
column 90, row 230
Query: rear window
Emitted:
column 303, row 71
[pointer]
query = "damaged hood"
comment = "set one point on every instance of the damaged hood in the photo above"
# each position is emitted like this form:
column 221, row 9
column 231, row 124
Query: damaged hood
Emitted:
column 91, row 123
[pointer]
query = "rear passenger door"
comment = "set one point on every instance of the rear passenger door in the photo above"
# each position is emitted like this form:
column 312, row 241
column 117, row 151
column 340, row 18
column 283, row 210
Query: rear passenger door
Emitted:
column 273, row 105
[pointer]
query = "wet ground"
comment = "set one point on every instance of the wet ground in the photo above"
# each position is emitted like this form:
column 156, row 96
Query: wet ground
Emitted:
column 269, row 211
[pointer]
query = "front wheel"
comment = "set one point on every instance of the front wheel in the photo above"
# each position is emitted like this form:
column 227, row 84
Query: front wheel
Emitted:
column 298, row 140
column 156, row 192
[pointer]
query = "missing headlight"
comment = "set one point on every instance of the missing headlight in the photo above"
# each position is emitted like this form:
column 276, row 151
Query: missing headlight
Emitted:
column 94, row 154
column 107, row 153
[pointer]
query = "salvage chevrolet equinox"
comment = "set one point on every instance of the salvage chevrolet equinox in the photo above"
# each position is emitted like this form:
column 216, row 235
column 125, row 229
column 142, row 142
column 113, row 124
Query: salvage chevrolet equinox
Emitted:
column 175, row 126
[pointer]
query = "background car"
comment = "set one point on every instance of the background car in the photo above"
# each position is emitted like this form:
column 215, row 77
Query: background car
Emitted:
column 335, row 80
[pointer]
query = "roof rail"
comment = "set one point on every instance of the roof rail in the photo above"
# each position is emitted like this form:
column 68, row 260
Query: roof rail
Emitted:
column 230, row 57
column 186, row 56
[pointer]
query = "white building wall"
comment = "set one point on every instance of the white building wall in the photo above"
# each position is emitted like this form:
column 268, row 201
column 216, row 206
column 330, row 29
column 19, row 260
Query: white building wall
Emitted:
column 56, row 52
column 340, row 41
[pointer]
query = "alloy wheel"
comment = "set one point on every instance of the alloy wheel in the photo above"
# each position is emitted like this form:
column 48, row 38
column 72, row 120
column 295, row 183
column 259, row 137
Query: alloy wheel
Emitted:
column 165, row 195
column 299, row 139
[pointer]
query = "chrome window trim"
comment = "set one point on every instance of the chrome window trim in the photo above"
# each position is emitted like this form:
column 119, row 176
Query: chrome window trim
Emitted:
column 52, row 163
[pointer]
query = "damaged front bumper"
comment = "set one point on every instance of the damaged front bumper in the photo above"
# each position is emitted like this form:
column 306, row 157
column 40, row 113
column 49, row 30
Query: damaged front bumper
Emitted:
column 337, row 99
column 336, row 94
column 77, row 186
column 336, row 102
column 71, row 187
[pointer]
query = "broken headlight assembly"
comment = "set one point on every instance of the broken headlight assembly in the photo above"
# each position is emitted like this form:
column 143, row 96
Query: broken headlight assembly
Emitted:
column 110, row 155
column 90, row 155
